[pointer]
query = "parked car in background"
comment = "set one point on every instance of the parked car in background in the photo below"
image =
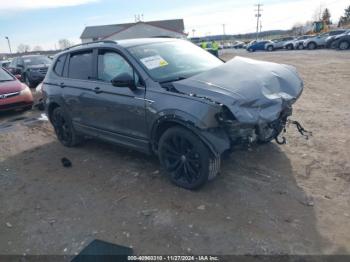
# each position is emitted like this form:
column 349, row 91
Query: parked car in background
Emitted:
column 320, row 40
column 238, row 45
column 14, row 95
column 277, row 43
column 257, row 45
column 330, row 39
column 5, row 63
column 32, row 68
column 298, row 43
column 342, row 42
column 169, row 98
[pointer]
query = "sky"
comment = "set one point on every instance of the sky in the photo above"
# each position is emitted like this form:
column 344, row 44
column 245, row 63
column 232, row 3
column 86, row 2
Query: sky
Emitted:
column 44, row 22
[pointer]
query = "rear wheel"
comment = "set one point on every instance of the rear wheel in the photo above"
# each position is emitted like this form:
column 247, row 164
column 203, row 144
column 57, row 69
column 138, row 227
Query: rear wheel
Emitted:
column 343, row 45
column 311, row 46
column 186, row 158
column 289, row 47
column 270, row 48
column 64, row 129
column 300, row 46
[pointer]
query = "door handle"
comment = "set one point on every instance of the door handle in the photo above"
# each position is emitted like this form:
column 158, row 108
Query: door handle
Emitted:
column 97, row 90
column 62, row 85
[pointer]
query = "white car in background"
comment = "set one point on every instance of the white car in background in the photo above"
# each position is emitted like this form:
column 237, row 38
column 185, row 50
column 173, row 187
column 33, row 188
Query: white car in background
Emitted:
column 278, row 43
column 299, row 42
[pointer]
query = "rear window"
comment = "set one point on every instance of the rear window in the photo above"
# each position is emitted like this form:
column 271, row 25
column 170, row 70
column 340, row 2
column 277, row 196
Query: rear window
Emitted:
column 80, row 65
column 60, row 65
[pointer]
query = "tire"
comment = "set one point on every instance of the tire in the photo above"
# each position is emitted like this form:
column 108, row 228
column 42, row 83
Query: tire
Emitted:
column 311, row 46
column 270, row 48
column 333, row 45
column 186, row 158
column 289, row 47
column 250, row 50
column 343, row 45
column 27, row 108
column 64, row 129
column 300, row 47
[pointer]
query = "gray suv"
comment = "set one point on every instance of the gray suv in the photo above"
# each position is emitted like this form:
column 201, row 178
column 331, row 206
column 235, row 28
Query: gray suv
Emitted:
column 169, row 98
column 320, row 40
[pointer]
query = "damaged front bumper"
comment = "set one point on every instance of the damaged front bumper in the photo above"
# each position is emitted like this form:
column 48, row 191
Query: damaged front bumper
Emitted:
column 246, row 134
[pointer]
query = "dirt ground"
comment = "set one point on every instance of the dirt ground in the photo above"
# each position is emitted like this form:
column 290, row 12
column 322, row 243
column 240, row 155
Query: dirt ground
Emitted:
column 292, row 199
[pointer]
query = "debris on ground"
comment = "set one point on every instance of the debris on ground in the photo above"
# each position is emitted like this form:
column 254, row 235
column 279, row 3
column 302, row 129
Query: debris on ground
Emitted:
column 66, row 162
column 201, row 207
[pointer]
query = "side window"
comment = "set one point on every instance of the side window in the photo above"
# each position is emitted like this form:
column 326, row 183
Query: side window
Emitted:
column 81, row 65
column 20, row 61
column 13, row 62
column 60, row 65
column 111, row 64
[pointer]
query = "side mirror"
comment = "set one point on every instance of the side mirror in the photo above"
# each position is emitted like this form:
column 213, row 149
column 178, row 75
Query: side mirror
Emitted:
column 124, row 80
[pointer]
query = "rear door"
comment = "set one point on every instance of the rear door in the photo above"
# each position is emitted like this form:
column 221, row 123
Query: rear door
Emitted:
column 78, row 85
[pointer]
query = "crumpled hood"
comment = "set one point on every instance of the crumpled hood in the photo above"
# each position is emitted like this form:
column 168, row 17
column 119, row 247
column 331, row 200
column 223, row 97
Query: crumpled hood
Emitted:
column 255, row 91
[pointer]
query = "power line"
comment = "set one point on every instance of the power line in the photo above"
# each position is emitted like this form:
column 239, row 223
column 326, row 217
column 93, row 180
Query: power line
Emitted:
column 258, row 15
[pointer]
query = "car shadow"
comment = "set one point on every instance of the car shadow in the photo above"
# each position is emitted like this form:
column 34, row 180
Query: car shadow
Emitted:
column 255, row 206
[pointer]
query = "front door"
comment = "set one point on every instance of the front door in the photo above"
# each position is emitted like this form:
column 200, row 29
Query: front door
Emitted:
column 119, row 110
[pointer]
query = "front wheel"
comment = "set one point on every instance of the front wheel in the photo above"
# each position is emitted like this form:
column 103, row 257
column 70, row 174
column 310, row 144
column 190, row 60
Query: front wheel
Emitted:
column 311, row 46
column 290, row 47
column 343, row 45
column 270, row 48
column 64, row 129
column 186, row 158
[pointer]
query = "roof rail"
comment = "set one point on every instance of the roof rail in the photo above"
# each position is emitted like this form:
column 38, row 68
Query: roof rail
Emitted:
column 90, row 43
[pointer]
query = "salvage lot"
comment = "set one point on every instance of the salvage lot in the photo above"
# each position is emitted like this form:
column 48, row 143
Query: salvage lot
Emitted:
column 291, row 199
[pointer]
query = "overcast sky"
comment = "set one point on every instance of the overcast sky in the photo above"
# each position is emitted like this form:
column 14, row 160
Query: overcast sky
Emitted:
column 43, row 22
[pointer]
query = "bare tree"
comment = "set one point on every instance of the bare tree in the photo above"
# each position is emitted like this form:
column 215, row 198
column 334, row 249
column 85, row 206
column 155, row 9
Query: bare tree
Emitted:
column 64, row 43
column 317, row 16
column 298, row 29
column 345, row 20
column 37, row 48
column 22, row 48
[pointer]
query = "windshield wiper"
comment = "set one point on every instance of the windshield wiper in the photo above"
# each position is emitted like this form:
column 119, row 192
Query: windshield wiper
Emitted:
column 6, row 80
column 173, row 79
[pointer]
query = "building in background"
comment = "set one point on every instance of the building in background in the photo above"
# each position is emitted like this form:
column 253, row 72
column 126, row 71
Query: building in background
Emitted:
column 165, row 28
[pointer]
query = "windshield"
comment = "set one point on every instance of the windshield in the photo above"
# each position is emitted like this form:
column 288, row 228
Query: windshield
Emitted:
column 175, row 60
column 36, row 60
column 4, row 76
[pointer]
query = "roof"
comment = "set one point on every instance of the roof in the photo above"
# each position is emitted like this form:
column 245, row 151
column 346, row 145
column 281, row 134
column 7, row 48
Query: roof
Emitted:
column 101, row 31
column 123, row 43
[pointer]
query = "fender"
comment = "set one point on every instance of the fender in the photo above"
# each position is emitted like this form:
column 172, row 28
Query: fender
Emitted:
column 214, row 137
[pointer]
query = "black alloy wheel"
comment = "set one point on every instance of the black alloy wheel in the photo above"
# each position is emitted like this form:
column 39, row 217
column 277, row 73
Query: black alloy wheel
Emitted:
column 63, row 128
column 186, row 159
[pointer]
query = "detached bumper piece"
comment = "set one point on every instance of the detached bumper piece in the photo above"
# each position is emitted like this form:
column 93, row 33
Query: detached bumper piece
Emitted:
column 306, row 134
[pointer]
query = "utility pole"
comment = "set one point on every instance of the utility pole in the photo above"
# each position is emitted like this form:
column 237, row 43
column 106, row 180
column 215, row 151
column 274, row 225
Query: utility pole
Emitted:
column 8, row 42
column 224, row 32
column 258, row 15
